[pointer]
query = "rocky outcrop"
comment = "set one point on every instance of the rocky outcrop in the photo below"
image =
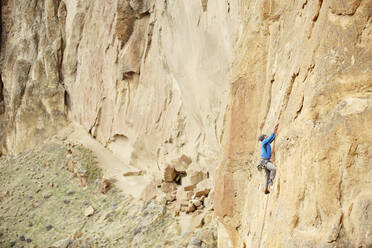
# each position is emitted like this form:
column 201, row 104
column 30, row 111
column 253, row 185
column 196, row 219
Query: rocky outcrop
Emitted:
column 31, row 58
column 133, row 73
column 181, row 90
column 145, row 90
column 307, row 66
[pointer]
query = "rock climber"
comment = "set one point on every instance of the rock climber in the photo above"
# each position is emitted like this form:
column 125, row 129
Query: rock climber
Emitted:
column 265, row 162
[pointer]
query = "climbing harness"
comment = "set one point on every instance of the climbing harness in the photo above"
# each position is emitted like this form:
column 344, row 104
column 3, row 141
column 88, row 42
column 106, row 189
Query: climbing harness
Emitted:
column 262, row 164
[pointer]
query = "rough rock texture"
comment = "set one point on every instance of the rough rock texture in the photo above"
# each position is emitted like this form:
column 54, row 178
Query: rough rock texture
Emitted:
column 31, row 58
column 133, row 73
column 145, row 90
column 192, row 84
column 307, row 66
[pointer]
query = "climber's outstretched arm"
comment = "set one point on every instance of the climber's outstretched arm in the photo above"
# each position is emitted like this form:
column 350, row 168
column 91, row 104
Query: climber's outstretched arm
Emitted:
column 276, row 129
column 269, row 139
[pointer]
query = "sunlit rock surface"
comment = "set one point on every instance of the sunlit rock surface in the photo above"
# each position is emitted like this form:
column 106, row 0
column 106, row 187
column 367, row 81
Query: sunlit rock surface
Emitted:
column 307, row 66
column 181, row 90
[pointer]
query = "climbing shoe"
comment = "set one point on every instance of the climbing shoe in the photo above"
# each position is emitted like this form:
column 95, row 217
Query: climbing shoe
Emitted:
column 271, row 182
column 267, row 192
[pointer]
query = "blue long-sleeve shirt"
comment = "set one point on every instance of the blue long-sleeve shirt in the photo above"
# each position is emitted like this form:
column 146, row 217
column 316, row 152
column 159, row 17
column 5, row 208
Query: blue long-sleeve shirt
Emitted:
column 266, row 147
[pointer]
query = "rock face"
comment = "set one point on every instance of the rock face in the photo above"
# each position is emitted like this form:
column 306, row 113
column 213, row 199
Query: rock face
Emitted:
column 184, row 88
column 32, row 87
column 133, row 73
column 307, row 66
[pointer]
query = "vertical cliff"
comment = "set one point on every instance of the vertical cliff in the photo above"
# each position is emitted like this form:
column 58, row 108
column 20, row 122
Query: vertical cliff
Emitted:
column 32, row 84
column 132, row 73
column 192, row 84
column 305, row 65
column 146, row 86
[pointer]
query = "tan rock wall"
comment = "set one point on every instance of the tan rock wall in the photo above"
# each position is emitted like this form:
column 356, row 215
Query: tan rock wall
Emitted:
column 307, row 66
column 134, row 74
column 31, row 56
column 145, row 89
column 161, row 82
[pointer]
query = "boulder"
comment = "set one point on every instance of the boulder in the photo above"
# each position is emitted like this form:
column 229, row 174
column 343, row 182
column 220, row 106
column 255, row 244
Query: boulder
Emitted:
column 189, row 187
column 203, row 188
column 183, row 196
column 201, row 192
column 181, row 164
column 89, row 211
column 103, row 186
column 168, row 187
column 190, row 208
column 169, row 174
column 194, row 177
column 196, row 202
column 133, row 173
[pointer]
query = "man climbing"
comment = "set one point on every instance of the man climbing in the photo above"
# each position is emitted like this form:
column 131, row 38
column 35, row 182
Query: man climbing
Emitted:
column 265, row 163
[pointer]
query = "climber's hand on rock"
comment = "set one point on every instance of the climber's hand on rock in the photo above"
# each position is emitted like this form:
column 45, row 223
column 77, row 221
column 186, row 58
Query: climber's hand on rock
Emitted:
column 276, row 128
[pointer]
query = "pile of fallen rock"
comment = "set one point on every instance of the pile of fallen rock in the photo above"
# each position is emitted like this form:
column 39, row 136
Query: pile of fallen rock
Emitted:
column 187, row 186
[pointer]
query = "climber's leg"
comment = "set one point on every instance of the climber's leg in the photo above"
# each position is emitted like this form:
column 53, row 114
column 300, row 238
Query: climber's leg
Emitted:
column 271, row 167
column 267, row 177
